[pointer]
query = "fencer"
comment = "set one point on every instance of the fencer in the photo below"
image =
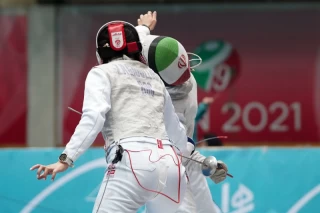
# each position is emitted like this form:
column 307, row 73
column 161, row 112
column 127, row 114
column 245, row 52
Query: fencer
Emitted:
column 128, row 102
column 182, row 87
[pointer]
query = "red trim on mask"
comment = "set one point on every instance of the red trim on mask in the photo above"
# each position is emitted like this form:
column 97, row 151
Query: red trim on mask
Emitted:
column 184, row 77
column 132, row 47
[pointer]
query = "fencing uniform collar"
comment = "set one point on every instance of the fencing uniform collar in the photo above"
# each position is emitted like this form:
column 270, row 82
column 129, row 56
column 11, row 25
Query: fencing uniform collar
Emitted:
column 181, row 91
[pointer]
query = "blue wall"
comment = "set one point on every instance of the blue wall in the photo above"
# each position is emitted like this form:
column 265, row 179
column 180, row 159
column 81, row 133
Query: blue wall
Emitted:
column 265, row 181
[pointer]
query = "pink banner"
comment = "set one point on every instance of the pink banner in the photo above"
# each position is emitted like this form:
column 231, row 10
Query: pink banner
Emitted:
column 13, row 80
column 263, row 68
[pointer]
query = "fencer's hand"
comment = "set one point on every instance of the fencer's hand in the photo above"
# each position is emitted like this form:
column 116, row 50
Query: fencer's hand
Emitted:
column 149, row 19
column 52, row 169
column 220, row 173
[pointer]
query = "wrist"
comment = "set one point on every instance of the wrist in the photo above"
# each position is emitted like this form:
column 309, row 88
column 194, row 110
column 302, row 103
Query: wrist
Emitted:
column 64, row 163
column 146, row 26
column 63, row 158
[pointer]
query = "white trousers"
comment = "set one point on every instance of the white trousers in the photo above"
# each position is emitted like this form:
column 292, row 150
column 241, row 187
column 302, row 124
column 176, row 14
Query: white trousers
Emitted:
column 198, row 197
column 146, row 175
column 188, row 204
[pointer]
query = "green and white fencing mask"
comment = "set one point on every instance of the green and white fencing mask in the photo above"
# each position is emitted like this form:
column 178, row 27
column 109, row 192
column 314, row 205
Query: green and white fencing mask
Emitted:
column 168, row 58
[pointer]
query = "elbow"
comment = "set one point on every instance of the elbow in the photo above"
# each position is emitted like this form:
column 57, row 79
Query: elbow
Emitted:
column 94, row 118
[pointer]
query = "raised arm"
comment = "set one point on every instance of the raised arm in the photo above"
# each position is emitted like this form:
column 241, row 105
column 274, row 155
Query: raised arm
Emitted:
column 146, row 23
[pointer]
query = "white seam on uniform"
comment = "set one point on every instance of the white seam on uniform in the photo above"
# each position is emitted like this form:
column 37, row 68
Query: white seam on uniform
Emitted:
column 104, row 191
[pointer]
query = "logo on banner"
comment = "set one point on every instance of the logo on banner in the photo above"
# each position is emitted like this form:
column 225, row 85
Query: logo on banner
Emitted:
column 240, row 201
column 220, row 66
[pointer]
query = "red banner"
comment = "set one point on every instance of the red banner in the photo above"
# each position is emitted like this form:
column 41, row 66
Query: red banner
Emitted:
column 13, row 80
column 263, row 68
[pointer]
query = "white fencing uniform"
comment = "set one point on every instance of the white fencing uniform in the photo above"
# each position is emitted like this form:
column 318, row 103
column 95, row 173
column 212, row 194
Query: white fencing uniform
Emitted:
column 128, row 102
column 198, row 198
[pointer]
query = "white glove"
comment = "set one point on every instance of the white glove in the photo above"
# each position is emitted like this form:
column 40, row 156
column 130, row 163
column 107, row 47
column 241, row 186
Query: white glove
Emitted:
column 221, row 173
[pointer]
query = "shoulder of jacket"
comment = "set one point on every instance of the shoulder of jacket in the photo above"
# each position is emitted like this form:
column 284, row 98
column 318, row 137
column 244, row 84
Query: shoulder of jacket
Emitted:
column 105, row 67
column 193, row 79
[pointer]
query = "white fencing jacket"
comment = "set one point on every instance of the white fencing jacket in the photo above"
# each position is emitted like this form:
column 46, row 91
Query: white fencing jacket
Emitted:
column 184, row 99
column 125, row 98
